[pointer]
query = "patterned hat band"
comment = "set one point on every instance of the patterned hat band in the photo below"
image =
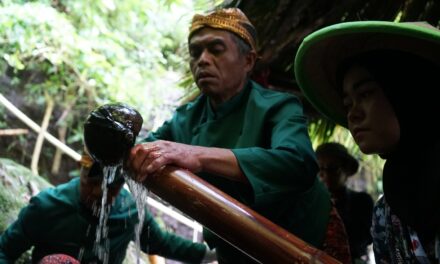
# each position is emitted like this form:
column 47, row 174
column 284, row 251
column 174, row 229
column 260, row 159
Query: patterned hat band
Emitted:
column 230, row 19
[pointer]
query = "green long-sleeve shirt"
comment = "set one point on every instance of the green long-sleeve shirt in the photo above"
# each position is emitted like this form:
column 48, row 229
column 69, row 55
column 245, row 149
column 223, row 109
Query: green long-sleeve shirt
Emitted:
column 267, row 132
column 56, row 222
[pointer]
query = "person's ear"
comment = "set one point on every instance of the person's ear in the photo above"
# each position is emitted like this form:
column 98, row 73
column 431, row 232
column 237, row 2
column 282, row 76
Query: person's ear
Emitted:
column 251, row 58
column 343, row 174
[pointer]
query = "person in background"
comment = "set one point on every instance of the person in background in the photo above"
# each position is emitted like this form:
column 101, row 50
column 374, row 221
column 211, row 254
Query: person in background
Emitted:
column 379, row 79
column 60, row 224
column 355, row 208
column 248, row 141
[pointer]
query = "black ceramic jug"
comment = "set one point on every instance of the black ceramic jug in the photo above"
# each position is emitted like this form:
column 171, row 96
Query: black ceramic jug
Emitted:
column 110, row 131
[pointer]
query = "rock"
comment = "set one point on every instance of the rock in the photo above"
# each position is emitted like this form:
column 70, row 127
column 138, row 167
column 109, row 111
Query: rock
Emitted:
column 17, row 185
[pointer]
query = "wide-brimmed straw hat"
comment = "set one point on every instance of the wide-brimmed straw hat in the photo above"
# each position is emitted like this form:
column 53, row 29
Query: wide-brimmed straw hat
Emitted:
column 322, row 52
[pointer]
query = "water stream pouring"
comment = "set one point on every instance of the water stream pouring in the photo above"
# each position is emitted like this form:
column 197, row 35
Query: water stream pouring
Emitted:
column 110, row 132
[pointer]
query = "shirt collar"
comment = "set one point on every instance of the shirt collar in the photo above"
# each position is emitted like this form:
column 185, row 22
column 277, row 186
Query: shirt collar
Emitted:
column 228, row 106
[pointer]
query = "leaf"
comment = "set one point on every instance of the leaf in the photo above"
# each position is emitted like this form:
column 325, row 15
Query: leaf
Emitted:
column 14, row 61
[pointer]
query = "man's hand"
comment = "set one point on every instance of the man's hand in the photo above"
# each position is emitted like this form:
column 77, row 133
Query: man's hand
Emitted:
column 147, row 158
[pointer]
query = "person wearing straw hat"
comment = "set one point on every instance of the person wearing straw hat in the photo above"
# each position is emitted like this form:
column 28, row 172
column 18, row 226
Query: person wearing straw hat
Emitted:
column 248, row 141
column 336, row 165
column 379, row 80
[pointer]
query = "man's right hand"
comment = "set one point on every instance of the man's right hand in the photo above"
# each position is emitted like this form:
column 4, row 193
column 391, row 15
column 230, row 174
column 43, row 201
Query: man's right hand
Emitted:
column 147, row 158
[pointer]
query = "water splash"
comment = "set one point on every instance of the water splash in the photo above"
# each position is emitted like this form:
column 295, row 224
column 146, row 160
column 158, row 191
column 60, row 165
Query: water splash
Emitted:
column 102, row 242
column 102, row 210
column 82, row 249
column 140, row 195
column 80, row 254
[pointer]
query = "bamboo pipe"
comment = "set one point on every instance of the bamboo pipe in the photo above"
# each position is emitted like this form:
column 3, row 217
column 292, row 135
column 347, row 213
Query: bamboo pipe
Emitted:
column 235, row 223
column 110, row 131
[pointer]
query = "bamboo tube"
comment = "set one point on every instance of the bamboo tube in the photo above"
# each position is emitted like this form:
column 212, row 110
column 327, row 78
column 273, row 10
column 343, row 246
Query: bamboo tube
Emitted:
column 237, row 224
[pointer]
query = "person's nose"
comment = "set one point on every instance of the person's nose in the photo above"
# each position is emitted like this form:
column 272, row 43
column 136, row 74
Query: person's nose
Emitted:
column 204, row 59
column 355, row 113
column 322, row 174
column 323, row 177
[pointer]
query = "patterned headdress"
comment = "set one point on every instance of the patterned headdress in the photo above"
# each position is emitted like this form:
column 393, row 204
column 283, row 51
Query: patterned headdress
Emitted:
column 230, row 19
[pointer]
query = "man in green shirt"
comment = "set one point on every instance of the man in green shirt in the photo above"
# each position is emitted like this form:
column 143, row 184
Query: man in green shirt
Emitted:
column 248, row 141
column 61, row 220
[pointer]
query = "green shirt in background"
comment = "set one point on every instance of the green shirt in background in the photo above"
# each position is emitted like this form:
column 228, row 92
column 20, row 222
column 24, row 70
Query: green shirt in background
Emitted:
column 56, row 222
column 267, row 132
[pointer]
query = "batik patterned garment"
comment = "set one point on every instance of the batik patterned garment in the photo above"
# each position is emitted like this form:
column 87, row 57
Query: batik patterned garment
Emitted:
column 396, row 243
column 58, row 259
column 336, row 242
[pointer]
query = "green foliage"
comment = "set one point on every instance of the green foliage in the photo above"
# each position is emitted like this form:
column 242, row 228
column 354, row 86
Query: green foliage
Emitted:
column 2, row 122
column 115, row 50
column 87, row 53
column 321, row 130
column 50, row 52
column 144, row 40
column 44, row 54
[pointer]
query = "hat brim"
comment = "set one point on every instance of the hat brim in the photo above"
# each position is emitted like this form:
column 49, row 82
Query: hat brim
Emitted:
column 321, row 53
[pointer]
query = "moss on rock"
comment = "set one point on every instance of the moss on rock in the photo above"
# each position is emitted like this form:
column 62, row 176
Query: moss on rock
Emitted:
column 17, row 185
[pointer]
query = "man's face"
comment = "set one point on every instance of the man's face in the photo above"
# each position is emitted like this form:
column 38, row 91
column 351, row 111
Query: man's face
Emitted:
column 331, row 172
column 218, row 68
column 91, row 190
